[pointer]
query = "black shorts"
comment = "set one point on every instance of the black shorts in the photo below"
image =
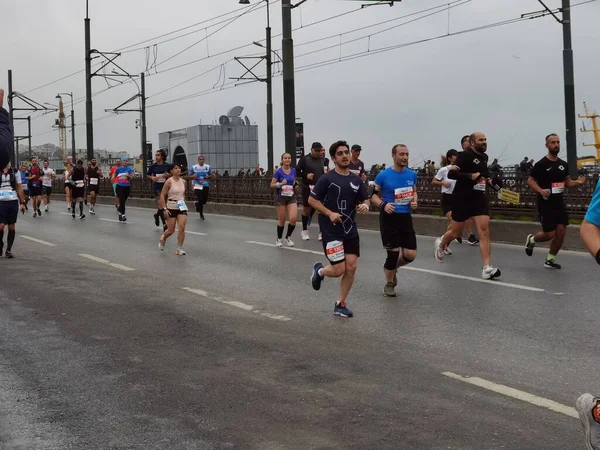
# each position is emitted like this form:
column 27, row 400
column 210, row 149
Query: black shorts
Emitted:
column 9, row 211
column 349, row 246
column 550, row 218
column 446, row 203
column 47, row 190
column 202, row 195
column 305, row 195
column 465, row 207
column 176, row 212
column 77, row 192
column 280, row 200
column 35, row 191
column 93, row 188
column 397, row 231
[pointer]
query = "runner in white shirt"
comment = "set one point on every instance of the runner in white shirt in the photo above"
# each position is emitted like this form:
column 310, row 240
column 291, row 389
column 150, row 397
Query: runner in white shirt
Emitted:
column 11, row 192
column 441, row 179
column 47, row 176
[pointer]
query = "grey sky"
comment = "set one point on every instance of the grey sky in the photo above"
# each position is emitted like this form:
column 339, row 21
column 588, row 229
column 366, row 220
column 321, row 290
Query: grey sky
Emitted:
column 505, row 81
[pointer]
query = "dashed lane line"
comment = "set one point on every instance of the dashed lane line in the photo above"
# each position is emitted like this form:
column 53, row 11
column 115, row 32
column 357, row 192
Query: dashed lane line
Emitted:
column 112, row 220
column 515, row 393
column 195, row 232
column 108, row 263
column 39, row 241
column 266, row 244
column 237, row 304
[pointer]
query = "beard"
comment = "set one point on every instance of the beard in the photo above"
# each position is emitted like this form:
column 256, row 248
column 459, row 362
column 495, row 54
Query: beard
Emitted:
column 481, row 148
column 554, row 152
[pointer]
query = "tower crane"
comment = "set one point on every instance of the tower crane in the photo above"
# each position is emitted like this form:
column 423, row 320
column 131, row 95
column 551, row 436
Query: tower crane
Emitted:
column 594, row 118
column 62, row 130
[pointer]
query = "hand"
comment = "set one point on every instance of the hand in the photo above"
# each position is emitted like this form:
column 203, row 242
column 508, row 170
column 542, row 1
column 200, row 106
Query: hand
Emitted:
column 581, row 179
column 1, row 97
column 283, row 183
column 167, row 213
column 545, row 193
column 335, row 217
column 390, row 208
column 453, row 167
column 23, row 208
column 475, row 175
column 446, row 184
column 310, row 176
column 413, row 204
column 362, row 208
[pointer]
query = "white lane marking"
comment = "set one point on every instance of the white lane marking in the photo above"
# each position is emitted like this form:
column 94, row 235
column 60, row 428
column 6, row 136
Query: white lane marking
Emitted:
column 236, row 304
column 39, row 241
column 195, row 232
column 66, row 214
column 478, row 280
column 111, row 220
column 108, row 263
column 286, row 248
column 514, row 393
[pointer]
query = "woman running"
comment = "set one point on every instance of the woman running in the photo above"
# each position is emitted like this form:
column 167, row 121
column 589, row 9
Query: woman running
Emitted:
column 172, row 201
column 284, row 182
column 123, row 175
column 68, row 185
column 441, row 179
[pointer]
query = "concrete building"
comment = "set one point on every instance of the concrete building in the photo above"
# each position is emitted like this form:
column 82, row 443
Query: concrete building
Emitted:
column 230, row 145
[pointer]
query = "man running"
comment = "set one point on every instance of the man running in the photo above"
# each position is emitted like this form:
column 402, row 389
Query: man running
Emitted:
column 311, row 168
column 11, row 192
column 469, row 201
column 396, row 195
column 123, row 177
column 472, row 239
column 24, row 174
column 158, row 173
column 337, row 196
column 48, row 175
column 35, row 186
column 549, row 178
column 78, row 190
column 93, row 175
column 201, row 173
column 357, row 167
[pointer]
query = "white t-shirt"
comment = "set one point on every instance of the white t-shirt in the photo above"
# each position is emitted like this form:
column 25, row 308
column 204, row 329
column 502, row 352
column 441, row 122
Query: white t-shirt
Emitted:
column 47, row 176
column 442, row 176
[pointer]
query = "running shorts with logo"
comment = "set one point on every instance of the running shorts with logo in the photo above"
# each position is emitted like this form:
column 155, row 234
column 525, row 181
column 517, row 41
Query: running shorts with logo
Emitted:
column 464, row 207
column 397, row 231
column 336, row 251
column 94, row 185
column 175, row 210
column 593, row 212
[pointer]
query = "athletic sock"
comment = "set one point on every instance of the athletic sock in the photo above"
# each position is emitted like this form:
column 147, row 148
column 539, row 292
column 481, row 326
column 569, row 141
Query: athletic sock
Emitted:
column 81, row 208
column 10, row 240
column 304, row 222
column 290, row 230
column 550, row 257
column 279, row 232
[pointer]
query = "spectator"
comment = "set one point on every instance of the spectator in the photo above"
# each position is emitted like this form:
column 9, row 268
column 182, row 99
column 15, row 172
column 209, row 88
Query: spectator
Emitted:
column 495, row 168
column 226, row 174
column 523, row 165
column 256, row 172
column 241, row 173
column 529, row 165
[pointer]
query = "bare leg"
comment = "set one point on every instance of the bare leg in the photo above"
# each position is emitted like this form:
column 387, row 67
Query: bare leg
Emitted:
column 347, row 281
column 181, row 223
column 590, row 235
column 456, row 230
column 482, row 223
column 170, row 228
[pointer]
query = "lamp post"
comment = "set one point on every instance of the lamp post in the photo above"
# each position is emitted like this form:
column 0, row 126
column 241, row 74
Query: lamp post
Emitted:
column 73, row 151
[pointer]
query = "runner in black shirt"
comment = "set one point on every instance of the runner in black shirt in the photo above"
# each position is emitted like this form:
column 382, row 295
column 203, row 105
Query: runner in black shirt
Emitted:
column 357, row 167
column 469, row 201
column 311, row 167
column 549, row 178
column 337, row 196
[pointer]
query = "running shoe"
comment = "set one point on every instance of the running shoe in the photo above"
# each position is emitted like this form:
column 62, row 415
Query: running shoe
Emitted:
column 447, row 251
column 490, row 272
column 73, row 214
column 315, row 278
column 124, row 218
column 156, row 221
column 320, row 237
column 278, row 243
column 120, row 217
column 459, row 240
column 472, row 240
column 552, row 265
column 290, row 243
column 305, row 236
column 82, row 216
column 180, row 252
column 39, row 212
column 9, row 254
column 589, row 414
column 161, row 244
column 438, row 253
column 202, row 216
column 388, row 290
column 529, row 245
column 92, row 211
column 69, row 209
column 342, row 311
column 46, row 208
column 34, row 215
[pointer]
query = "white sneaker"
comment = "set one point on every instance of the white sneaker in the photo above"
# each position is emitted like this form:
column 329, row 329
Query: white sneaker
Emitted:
column 447, row 251
column 490, row 272
column 320, row 237
column 92, row 210
column 180, row 252
column 305, row 236
column 438, row 253
column 46, row 208
column 290, row 243
column 161, row 244
column 278, row 243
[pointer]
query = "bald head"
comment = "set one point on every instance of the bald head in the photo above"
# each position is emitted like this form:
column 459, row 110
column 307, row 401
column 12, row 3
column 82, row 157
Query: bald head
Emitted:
column 478, row 142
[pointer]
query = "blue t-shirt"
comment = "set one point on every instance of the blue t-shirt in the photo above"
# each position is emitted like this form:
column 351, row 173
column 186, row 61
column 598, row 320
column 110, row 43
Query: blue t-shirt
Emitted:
column 161, row 171
column 24, row 181
column 397, row 188
column 201, row 174
column 593, row 212
column 340, row 194
column 123, row 181
column 280, row 175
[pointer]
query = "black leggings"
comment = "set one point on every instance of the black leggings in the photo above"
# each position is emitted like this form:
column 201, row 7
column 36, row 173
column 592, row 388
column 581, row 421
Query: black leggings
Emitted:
column 123, row 194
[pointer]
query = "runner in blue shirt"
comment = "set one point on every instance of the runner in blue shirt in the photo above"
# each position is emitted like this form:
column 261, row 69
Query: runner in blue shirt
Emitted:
column 284, row 183
column 123, row 175
column 201, row 173
column 337, row 196
column 396, row 196
column 159, row 173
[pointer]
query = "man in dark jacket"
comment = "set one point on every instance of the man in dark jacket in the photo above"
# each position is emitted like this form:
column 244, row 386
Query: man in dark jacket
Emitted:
column 6, row 134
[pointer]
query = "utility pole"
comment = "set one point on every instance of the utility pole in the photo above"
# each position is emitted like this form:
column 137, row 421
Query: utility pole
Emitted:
column 269, row 61
column 89, row 114
column 29, row 135
column 73, row 150
column 10, row 109
column 289, row 100
column 569, row 81
column 143, row 119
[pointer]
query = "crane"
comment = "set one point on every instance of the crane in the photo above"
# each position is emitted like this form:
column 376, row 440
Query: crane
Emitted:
column 62, row 130
column 594, row 118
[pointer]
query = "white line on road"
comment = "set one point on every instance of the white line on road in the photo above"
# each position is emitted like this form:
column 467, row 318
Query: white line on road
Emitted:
column 514, row 393
column 286, row 248
column 108, row 263
column 195, row 232
column 39, row 241
column 236, row 304
column 112, row 220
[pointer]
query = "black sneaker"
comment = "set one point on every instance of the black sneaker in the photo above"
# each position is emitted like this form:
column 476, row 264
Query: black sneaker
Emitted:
column 34, row 214
column 82, row 216
column 120, row 217
column 9, row 254
column 202, row 216
column 156, row 221
column 315, row 278
column 73, row 214
column 39, row 212
column 459, row 240
column 472, row 240
column 342, row 311
column 529, row 245
column 551, row 265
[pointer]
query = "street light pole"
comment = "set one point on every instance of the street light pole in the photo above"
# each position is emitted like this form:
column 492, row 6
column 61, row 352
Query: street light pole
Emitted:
column 289, row 100
column 569, row 81
column 269, row 61
column 143, row 119
column 89, row 113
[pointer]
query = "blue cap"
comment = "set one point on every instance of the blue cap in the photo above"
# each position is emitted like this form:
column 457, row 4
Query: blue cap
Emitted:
column 124, row 158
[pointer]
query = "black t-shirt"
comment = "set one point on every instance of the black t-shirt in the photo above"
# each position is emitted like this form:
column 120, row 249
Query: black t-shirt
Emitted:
column 340, row 194
column 469, row 162
column 551, row 176
column 307, row 165
column 357, row 168
column 92, row 172
column 78, row 174
column 161, row 171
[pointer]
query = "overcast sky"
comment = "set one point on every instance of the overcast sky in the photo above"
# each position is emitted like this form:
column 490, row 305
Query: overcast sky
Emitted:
column 505, row 81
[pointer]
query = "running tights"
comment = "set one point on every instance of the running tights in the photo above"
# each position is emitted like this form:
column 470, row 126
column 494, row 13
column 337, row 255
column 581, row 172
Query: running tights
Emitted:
column 80, row 207
column 123, row 194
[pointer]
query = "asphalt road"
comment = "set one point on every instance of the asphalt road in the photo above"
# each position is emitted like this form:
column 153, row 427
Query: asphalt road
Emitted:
column 230, row 348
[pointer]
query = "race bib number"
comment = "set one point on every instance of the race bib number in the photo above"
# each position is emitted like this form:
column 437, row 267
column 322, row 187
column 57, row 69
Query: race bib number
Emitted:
column 122, row 175
column 93, row 181
column 8, row 195
column 403, row 196
column 35, row 184
column 558, row 188
column 79, row 183
column 199, row 187
column 182, row 206
column 480, row 186
column 287, row 190
column 335, row 251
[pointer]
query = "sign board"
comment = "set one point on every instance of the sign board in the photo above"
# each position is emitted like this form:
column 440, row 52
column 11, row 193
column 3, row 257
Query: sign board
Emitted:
column 509, row 196
column 299, row 140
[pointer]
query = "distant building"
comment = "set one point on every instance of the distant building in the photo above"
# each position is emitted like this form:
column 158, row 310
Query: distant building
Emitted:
column 231, row 145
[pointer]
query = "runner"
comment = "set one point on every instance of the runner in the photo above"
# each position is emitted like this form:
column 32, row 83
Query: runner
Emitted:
column 158, row 173
column 35, row 186
column 11, row 192
column 337, row 196
column 441, row 179
column 68, row 173
column 172, row 202
column 469, row 200
column 24, row 174
column 47, row 177
column 113, row 180
column 87, row 183
column 284, row 181
column 396, row 195
column 201, row 173
column 93, row 175
column 548, row 178
column 472, row 239
column 357, row 167
column 311, row 168
column 78, row 189
column 326, row 167
column 123, row 176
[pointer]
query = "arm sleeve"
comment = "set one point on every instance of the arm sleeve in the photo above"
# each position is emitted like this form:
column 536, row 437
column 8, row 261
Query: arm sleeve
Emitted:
column 461, row 162
column 6, row 138
column 320, row 190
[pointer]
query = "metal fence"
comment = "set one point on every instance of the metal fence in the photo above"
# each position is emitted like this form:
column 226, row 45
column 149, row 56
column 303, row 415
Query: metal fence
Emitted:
column 256, row 191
